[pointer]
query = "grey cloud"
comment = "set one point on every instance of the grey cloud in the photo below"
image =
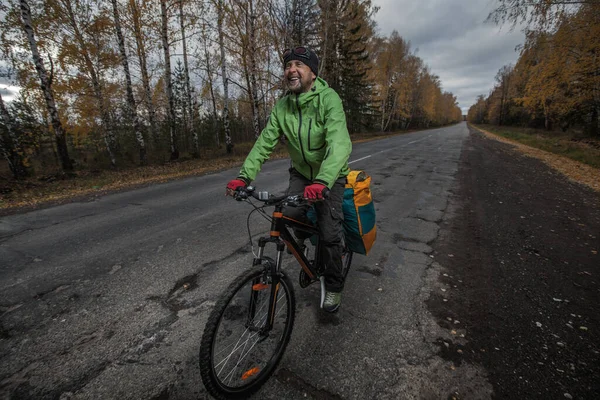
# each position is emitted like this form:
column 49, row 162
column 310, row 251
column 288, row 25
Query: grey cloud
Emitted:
column 454, row 41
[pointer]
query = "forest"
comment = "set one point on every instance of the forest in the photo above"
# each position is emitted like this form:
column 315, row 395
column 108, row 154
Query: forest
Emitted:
column 119, row 83
column 555, row 83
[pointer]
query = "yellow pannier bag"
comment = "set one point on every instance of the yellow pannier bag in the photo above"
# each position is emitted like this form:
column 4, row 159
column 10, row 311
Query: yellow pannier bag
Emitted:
column 359, row 213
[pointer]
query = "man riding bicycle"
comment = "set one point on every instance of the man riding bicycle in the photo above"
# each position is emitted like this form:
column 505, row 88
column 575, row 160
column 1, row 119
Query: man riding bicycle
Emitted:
column 312, row 118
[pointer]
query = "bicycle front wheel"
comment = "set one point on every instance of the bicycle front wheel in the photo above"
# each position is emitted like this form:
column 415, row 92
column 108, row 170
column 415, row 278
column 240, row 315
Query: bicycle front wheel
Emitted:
column 237, row 353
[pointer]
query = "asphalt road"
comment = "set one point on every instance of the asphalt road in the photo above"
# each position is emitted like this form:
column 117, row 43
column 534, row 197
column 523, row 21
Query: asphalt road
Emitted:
column 108, row 298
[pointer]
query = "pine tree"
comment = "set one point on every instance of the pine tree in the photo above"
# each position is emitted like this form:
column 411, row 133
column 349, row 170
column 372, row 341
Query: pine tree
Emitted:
column 347, row 29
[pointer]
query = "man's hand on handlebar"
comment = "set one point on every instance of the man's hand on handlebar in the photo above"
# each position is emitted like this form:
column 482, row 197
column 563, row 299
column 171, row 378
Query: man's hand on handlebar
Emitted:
column 239, row 190
column 316, row 192
column 235, row 185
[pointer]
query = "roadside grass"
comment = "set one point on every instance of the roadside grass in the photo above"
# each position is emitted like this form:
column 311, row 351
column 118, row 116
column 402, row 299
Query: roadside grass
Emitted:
column 58, row 188
column 574, row 146
column 37, row 191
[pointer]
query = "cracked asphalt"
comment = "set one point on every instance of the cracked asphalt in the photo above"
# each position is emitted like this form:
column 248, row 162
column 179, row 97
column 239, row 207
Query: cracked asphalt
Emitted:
column 107, row 298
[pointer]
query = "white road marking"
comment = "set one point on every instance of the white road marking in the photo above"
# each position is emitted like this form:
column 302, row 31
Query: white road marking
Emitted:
column 360, row 159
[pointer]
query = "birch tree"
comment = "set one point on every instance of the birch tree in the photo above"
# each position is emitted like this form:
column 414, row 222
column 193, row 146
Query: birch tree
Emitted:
column 207, row 60
column 188, row 89
column 79, row 51
column 45, row 86
column 243, row 18
column 168, row 79
column 251, row 29
column 142, row 55
column 503, row 79
column 392, row 77
column 226, row 123
column 131, row 105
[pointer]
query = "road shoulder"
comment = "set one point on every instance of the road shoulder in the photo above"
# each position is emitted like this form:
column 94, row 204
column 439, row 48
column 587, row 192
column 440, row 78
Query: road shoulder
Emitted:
column 573, row 170
column 519, row 266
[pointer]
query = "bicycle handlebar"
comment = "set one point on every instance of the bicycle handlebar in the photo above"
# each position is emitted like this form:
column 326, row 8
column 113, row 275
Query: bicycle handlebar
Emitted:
column 269, row 199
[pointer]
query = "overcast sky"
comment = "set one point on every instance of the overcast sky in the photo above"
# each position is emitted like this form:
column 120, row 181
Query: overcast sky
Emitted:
column 452, row 38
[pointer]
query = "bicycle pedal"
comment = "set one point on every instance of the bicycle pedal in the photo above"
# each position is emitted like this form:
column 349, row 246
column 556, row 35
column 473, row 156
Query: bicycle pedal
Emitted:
column 304, row 279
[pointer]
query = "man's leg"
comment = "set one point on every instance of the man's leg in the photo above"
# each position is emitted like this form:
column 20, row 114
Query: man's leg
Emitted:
column 330, row 217
column 296, row 186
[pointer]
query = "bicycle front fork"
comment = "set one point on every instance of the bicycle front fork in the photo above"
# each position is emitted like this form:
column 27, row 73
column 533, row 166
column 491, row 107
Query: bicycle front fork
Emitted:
column 270, row 278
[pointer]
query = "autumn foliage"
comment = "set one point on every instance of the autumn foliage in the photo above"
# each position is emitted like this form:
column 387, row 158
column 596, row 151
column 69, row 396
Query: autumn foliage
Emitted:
column 125, row 82
column 556, row 80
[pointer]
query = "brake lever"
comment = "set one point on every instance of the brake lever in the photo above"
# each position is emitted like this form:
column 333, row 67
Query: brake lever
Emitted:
column 240, row 195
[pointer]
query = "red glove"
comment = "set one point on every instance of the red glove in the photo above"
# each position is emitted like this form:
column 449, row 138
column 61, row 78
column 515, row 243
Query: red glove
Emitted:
column 315, row 191
column 234, row 185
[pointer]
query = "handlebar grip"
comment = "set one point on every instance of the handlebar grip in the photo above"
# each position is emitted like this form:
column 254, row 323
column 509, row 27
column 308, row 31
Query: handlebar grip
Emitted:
column 240, row 195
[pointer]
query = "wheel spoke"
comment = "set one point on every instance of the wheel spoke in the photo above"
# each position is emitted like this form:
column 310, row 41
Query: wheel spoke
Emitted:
column 238, row 354
column 242, row 356
column 247, row 337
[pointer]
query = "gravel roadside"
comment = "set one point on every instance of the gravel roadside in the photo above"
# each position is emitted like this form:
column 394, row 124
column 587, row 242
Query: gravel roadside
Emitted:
column 521, row 264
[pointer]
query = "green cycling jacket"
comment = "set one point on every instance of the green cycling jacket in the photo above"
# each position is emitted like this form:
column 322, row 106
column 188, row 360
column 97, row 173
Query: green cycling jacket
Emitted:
column 314, row 125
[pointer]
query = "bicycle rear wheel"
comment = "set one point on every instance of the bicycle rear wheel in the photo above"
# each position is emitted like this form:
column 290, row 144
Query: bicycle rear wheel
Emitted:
column 236, row 355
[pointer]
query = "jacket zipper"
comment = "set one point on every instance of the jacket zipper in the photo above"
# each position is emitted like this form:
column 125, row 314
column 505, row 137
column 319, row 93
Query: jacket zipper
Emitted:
column 300, row 137
column 309, row 126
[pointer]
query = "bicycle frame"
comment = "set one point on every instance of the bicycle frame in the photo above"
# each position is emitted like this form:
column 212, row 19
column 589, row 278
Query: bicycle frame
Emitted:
column 280, row 235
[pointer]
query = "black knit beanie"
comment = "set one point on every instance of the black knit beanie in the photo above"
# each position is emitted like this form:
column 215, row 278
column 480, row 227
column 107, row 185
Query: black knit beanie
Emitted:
column 304, row 54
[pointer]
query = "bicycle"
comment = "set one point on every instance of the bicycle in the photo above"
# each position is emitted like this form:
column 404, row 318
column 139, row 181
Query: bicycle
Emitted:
column 250, row 326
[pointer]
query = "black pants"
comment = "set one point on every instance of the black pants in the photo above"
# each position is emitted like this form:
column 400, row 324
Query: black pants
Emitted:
column 329, row 218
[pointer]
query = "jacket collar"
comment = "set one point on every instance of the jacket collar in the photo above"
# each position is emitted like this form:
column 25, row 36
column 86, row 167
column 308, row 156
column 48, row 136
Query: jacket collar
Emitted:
column 319, row 86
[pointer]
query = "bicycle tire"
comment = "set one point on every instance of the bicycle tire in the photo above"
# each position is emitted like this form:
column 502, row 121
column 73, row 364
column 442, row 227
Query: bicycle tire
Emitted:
column 249, row 373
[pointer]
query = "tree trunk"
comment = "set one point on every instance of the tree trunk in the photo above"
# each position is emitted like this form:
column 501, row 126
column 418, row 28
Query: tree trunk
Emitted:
column 6, row 153
column 500, row 118
column 168, row 81
column 209, row 74
column 131, row 106
column 547, row 121
column 59, row 132
column 226, row 127
column 188, row 89
column 594, row 131
column 391, row 112
column 253, row 89
column 109, row 137
column 141, row 53
column 382, row 122
column 595, row 127
column 11, row 149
